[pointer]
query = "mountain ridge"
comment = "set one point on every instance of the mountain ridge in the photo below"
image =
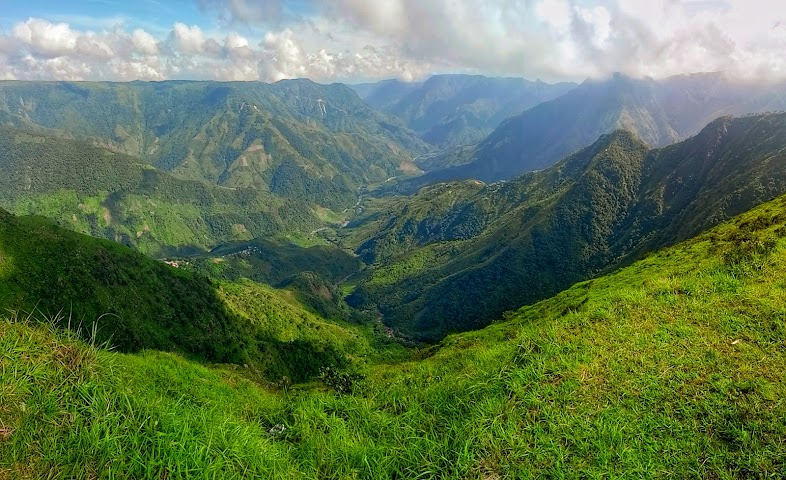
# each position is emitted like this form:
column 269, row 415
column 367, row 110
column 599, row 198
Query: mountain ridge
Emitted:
column 659, row 112
column 530, row 238
column 673, row 364
column 451, row 110
column 92, row 190
column 109, row 294
column 295, row 138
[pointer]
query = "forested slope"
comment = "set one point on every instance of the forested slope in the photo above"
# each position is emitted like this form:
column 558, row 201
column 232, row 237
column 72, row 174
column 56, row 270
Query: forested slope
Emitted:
column 457, row 255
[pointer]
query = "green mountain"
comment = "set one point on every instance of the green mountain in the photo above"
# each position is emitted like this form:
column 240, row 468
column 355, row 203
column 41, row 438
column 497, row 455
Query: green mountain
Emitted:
column 313, row 273
column 658, row 112
column 672, row 367
column 112, row 294
column 295, row 138
column 451, row 110
column 95, row 191
column 457, row 255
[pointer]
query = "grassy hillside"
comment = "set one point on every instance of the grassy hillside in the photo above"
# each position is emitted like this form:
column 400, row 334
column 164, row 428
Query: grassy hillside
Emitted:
column 95, row 191
column 669, row 368
column 312, row 273
column 115, row 295
column 457, row 255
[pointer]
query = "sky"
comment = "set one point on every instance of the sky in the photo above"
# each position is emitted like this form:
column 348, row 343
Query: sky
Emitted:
column 367, row 40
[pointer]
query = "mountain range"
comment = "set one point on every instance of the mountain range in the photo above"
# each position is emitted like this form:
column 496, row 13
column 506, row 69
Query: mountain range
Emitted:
column 671, row 366
column 511, row 243
column 115, row 296
column 453, row 110
column 659, row 112
column 392, row 280
column 296, row 139
column 96, row 191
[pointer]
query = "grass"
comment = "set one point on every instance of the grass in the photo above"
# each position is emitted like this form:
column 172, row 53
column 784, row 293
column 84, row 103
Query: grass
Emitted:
column 158, row 416
column 137, row 303
column 670, row 368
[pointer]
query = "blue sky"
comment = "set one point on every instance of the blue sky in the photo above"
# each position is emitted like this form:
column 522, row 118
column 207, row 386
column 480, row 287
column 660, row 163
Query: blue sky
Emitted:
column 356, row 40
column 153, row 15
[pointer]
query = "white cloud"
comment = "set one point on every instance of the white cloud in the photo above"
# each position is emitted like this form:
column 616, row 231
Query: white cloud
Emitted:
column 147, row 68
column 235, row 41
column 286, row 58
column 58, row 68
column 556, row 13
column 92, row 45
column 339, row 40
column 238, row 47
column 188, row 39
column 45, row 38
column 144, row 43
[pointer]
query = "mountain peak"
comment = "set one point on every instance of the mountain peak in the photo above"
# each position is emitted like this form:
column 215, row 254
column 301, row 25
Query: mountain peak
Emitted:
column 617, row 80
column 717, row 129
column 620, row 135
column 618, row 145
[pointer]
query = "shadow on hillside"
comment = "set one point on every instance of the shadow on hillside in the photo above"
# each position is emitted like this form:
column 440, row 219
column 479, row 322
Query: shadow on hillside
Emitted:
column 111, row 294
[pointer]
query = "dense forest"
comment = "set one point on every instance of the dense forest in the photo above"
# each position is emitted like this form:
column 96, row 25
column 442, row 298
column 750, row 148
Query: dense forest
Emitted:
column 455, row 256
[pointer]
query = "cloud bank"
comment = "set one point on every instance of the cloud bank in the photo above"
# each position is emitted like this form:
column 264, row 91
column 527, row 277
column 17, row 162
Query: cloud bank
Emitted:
column 349, row 40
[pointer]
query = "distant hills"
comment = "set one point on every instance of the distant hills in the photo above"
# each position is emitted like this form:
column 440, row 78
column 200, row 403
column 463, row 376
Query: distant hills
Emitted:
column 601, row 344
column 296, row 139
column 302, row 161
column 659, row 112
column 452, row 110
column 95, row 191
column 455, row 255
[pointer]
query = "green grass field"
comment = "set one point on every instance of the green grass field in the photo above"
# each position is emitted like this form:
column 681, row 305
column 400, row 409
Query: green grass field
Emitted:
column 670, row 368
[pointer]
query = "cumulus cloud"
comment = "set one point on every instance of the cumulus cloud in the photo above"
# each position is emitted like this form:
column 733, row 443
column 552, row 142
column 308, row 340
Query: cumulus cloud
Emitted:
column 45, row 38
column 144, row 43
column 39, row 49
column 188, row 39
column 340, row 40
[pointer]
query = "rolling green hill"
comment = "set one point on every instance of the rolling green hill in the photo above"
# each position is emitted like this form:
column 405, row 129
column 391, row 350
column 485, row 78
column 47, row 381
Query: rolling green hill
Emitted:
column 113, row 294
column 295, row 138
column 457, row 255
column 452, row 110
column 669, row 368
